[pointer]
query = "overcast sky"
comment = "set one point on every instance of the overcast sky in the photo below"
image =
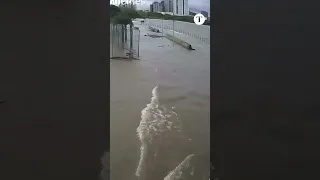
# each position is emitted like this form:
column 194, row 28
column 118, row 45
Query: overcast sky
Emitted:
column 193, row 4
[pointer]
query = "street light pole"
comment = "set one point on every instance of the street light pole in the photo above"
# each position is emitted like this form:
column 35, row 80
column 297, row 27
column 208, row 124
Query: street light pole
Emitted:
column 162, row 28
column 139, row 44
column 173, row 23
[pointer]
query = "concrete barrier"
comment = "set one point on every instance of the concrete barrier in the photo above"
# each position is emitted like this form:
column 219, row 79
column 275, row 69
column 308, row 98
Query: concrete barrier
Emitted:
column 154, row 29
column 179, row 41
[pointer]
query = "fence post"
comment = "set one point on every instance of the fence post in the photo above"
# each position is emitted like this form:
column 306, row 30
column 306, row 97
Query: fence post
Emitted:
column 112, row 34
column 173, row 30
column 139, row 44
column 118, row 34
column 125, row 33
column 162, row 28
column 131, row 40
column 122, row 36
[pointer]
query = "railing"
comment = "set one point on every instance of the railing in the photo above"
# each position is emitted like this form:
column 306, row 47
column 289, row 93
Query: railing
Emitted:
column 202, row 37
column 124, row 41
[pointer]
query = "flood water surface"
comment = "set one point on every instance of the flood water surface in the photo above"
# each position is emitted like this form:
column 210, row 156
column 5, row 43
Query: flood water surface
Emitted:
column 160, row 113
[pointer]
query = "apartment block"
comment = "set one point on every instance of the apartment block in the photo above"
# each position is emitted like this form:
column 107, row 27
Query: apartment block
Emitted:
column 162, row 9
column 151, row 8
column 180, row 7
column 168, row 6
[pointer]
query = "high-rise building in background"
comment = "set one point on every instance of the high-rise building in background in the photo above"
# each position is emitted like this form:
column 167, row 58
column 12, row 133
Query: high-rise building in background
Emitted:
column 168, row 6
column 156, row 7
column 177, row 7
column 204, row 13
column 162, row 9
column 151, row 7
column 180, row 7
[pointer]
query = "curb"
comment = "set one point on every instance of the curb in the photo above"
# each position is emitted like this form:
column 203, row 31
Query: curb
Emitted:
column 154, row 29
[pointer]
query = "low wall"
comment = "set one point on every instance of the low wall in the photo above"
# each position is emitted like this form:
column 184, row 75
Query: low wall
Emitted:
column 154, row 29
column 179, row 41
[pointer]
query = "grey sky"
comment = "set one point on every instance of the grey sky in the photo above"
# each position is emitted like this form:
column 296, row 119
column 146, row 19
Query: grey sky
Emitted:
column 193, row 4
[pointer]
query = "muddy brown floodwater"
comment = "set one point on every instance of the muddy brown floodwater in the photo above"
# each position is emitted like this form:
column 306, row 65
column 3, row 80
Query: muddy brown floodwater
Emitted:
column 160, row 112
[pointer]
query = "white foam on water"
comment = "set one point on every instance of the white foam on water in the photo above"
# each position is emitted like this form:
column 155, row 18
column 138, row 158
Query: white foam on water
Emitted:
column 177, row 172
column 155, row 120
column 192, row 172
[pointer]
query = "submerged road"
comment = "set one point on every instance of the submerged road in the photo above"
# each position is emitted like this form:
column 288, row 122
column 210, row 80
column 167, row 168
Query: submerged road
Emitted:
column 182, row 78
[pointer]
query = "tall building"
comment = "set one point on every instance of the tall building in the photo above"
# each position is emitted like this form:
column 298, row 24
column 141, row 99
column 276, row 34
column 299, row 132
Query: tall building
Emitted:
column 156, row 7
column 151, row 8
column 162, row 9
column 168, row 6
column 163, row 6
column 181, row 7
column 204, row 13
column 171, row 6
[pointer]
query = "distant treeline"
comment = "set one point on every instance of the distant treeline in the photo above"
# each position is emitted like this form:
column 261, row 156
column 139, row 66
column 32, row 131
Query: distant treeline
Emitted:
column 122, row 15
column 155, row 15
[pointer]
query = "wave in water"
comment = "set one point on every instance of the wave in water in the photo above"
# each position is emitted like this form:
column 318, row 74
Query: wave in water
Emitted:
column 180, row 170
column 155, row 120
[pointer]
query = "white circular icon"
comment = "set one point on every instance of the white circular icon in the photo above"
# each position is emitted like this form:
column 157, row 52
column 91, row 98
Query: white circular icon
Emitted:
column 199, row 19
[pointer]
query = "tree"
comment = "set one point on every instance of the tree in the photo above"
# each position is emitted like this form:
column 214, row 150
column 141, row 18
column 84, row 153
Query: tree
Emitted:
column 121, row 19
column 130, row 12
column 123, row 15
column 114, row 10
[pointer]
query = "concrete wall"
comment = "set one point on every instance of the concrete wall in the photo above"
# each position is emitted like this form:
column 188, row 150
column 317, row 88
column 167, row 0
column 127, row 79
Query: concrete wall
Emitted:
column 179, row 41
column 54, row 78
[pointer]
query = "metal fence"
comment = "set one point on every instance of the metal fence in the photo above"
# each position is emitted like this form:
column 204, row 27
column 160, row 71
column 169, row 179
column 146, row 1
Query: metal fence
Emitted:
column 124, row 41
column 194, row 34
